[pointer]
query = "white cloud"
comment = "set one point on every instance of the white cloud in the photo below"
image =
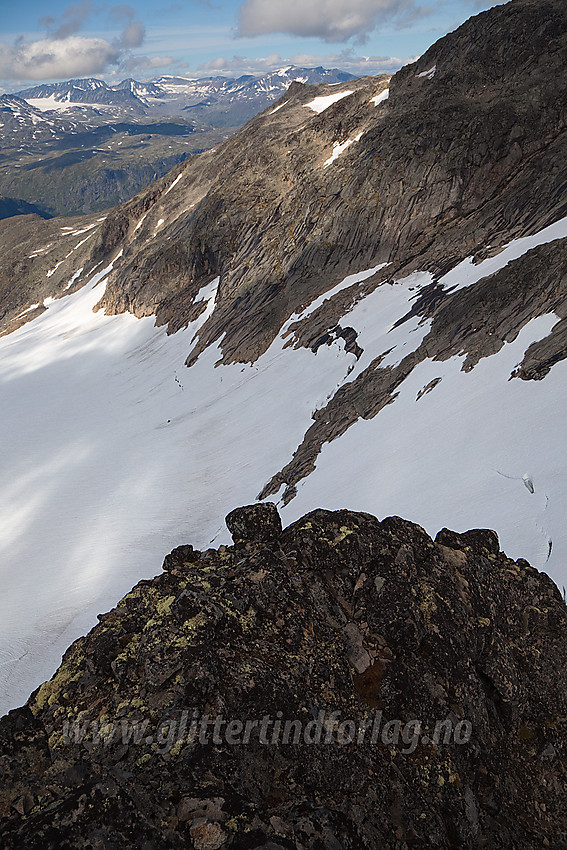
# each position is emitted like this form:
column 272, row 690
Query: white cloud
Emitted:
column 134, row 31
column 243, row 64
column 62, row 53
column 346, row 60
column 331, row 20
column 221, row 63
column 145, row 63
column 133, row 35
column 56, row 58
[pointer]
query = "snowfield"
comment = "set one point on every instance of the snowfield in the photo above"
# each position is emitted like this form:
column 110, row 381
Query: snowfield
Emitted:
column 114, row 452
column 52, row 104
column 319, row 104
column 456, row 455
column 380, row 98
column 339, row 147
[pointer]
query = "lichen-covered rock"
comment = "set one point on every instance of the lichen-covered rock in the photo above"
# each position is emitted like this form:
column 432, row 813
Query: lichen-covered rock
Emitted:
column 345, row 683
column 478, row 538
column 179, row 556
column 255, row 524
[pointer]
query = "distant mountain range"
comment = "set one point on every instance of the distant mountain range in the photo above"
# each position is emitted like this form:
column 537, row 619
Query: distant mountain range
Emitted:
column 236, row 99
column 82, row 146
column 89, row 92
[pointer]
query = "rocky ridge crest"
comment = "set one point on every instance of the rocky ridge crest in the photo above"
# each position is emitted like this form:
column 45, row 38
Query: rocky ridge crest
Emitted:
column 337, row 613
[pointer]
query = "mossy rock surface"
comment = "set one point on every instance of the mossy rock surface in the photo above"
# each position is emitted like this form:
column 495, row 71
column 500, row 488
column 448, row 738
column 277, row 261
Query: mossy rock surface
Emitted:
column 361, row 636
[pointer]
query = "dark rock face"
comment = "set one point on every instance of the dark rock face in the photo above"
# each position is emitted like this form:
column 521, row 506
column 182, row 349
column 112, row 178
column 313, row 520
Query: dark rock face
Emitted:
column 255, row 524
column 423, row 685
column 179, row 556
column 471, row 156
column 447, row 164
column 477, row 539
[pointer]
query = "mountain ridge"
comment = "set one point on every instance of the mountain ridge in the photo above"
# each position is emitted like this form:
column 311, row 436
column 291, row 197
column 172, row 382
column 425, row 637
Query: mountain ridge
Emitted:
column 493, row 180
column 179, row 93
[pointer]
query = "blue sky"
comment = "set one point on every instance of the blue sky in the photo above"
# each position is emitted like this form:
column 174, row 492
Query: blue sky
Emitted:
column 44, row 41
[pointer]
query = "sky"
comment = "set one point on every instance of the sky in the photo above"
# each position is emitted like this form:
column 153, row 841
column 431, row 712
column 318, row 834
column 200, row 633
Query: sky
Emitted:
column 50, row 40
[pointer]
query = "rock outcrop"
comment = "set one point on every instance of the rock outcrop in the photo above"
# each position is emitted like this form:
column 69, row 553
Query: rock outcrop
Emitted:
column 343, row 683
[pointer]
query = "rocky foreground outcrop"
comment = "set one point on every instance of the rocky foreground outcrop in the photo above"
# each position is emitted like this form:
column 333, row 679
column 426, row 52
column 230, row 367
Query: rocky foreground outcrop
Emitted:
column 344, row 683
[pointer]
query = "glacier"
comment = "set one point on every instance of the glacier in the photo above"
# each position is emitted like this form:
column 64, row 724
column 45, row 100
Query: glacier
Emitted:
column 114, row 452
